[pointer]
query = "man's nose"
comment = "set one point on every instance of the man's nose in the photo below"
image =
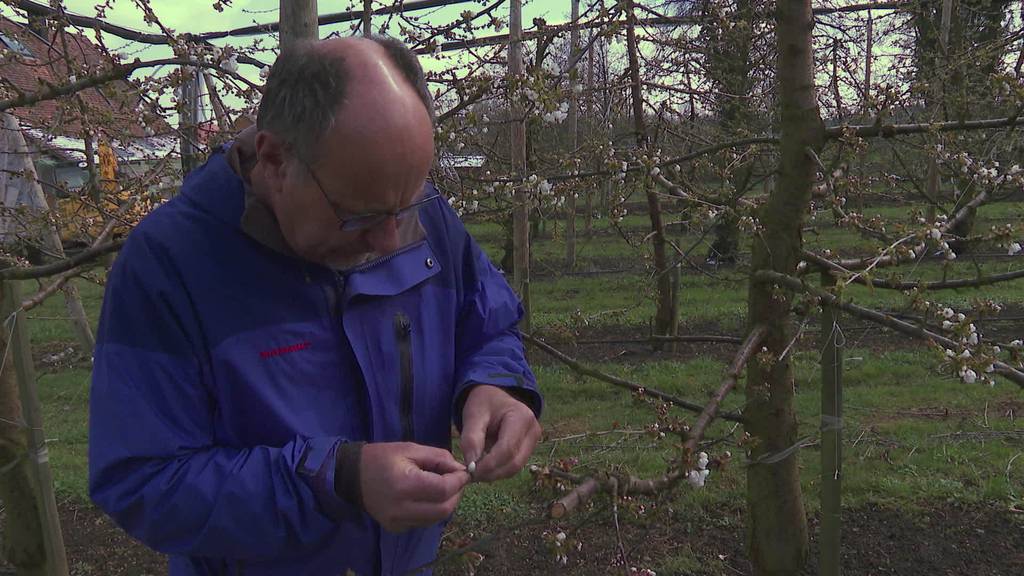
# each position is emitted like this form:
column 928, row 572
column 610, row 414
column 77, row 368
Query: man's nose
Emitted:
column 383, row 238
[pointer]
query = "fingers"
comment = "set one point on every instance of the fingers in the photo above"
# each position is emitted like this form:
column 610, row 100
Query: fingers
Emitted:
column 433, row 459
column 518, row 433
column 474, row 433
column 418, row 514
column 423, row 486
column 405, row 485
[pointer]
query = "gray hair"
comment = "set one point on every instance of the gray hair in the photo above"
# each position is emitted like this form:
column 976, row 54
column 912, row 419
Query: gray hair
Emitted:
column 306, row 87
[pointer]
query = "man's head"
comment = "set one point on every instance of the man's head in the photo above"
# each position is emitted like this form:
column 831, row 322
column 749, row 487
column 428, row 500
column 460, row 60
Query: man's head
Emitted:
column 345, row 128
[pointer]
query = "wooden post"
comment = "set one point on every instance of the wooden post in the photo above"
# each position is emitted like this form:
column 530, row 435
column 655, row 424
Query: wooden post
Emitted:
column 937, row 89
column 21, row 179
column 588, row 226
column 188, row 118
column 831, row 434
column 223, row 121
column 367, row 16
column 298, row 22
column 521, row 208
column 570, row 202
column 664, row 321
column 869, row 48
column 39, row 462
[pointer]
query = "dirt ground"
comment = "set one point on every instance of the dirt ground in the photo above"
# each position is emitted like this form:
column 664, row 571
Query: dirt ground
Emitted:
column 943, row 540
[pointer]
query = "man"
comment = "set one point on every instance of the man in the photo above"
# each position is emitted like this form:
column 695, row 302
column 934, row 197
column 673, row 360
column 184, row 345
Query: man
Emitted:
column 284, row 346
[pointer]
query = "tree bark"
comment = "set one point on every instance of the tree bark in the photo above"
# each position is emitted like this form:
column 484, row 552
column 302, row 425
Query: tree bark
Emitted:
column 664, row 321
column 23, row 545
column 367, row 18
column 298, row 22
column 521, row 209
column 570, row 202
column 32, row 192
column 778, row 526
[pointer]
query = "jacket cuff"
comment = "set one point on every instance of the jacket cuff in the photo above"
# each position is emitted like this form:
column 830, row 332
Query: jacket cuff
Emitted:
column 347, row 465
column 318, row 468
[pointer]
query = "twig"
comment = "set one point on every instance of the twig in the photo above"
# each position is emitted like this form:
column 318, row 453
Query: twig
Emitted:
column 629, row 484
column 691, row 338
column 796, row 284
column 621, row 382
column 746, row 352
column 17, row 273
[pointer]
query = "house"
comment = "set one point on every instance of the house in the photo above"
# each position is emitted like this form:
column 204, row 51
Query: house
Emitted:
column 32, row 56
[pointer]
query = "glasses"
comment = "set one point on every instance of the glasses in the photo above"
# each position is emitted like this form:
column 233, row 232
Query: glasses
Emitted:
column 369, row 220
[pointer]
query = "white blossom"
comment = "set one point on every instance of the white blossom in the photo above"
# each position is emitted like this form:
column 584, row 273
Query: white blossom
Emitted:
column 1014, row 249
column 948, row 312
column 969, row 376
column 935, row 234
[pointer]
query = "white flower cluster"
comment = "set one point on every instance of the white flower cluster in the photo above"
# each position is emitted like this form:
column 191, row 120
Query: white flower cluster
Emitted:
column 557, row 115
column 989, row 174
column 1014, row 249
column 969, row 337
column 633, row 571
column 699, row 475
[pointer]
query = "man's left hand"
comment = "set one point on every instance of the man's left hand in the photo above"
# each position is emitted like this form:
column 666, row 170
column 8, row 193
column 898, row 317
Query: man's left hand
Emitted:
column 498, row 433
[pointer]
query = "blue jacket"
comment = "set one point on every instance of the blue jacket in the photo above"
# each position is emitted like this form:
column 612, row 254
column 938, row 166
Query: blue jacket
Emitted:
column 226, row 374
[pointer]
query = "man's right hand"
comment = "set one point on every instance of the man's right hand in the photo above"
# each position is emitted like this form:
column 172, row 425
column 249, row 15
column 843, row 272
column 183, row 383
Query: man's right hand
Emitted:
column 407, row 485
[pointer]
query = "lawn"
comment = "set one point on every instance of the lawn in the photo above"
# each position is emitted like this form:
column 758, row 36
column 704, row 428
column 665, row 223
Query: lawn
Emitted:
column 915, row 440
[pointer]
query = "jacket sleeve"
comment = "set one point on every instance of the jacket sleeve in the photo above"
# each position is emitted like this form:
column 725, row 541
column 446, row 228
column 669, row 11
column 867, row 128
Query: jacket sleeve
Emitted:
column 154, row 464
column 489, row 348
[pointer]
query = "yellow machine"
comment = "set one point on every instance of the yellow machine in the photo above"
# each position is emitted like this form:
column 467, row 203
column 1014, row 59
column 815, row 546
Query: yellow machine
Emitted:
column 81, row 219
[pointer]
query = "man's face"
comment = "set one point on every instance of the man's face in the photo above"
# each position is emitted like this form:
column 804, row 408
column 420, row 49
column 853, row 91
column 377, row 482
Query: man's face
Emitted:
column 357, row 172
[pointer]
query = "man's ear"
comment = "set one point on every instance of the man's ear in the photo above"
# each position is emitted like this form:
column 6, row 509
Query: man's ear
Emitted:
column 271, row 161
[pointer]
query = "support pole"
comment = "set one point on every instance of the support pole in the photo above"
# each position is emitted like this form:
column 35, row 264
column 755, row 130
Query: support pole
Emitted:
column 298, row 22
column 831, row 434
column 521, row 209
column 39, row 461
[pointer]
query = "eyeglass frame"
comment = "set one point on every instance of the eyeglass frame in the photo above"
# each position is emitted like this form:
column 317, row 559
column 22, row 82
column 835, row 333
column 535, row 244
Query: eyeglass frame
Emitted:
column 361, row 222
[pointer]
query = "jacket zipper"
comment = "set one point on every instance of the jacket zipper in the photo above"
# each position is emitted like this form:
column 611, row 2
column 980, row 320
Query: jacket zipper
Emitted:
column 403, row 334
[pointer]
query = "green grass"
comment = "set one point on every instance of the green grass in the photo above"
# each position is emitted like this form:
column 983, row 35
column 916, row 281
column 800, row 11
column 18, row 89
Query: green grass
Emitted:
column 900, row 446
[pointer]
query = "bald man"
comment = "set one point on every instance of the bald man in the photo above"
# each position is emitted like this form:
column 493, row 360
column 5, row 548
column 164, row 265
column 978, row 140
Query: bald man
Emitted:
column 285, row 345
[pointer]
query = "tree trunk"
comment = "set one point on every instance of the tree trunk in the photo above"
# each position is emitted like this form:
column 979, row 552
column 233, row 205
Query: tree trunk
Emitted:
column 521, row 209
column 31, row 192
column 869, row 48
column 570, row 202
column 367, row 16
column 298, row 22
column 664, row 321
column 23, row 545
column 778, row 526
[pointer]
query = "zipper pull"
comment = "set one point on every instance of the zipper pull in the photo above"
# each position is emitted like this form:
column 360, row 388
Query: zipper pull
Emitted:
column 403, row 327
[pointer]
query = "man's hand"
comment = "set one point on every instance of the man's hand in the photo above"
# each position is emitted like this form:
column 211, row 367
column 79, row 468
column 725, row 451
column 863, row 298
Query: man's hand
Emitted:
column 407, row 485
column 498, row 433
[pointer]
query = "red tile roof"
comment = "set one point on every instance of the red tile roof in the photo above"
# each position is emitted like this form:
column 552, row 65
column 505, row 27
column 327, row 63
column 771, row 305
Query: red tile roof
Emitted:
column 109, row 108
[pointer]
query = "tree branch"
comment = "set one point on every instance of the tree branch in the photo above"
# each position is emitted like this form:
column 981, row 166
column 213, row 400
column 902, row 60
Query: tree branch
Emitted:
column 17, row 273
column 629, row 484
column 830, row 299
column 621, row 382
column 888, row 130
column 117, row 72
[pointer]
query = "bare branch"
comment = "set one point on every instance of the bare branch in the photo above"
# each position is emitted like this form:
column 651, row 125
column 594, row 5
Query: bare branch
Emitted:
column 621, row 382
column 17, row 273
column 117, row 72
column 830, row 299
column 888, row 130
